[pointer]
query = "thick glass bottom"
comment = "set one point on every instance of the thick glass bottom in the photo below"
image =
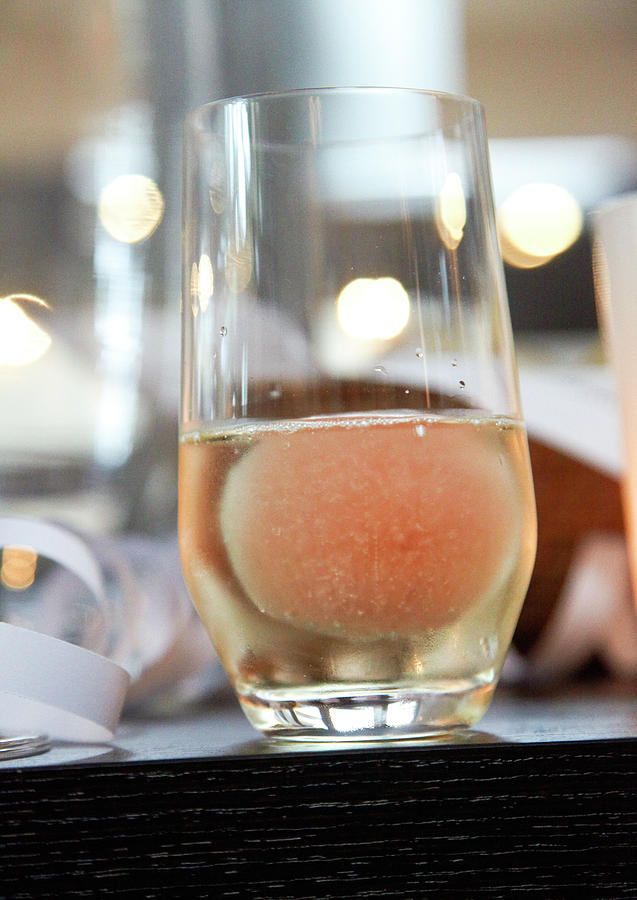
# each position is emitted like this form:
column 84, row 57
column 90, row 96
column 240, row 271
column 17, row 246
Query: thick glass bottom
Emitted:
column 369, row 713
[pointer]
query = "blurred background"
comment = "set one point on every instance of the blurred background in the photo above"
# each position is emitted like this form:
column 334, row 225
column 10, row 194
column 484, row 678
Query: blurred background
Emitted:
column 93, row 98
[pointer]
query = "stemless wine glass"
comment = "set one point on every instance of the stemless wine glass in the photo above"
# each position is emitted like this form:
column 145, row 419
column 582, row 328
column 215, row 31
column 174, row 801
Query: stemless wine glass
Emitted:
column 357, row 520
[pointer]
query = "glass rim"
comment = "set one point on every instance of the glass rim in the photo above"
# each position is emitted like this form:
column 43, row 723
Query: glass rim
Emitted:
column 458, row 99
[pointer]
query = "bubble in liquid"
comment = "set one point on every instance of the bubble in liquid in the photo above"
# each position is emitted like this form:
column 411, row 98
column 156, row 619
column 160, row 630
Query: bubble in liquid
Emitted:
column 462, row 384
column 274, row 394
column 406, row 390
column 381, row 370
column 454, row 362
column 420, row 430
column 419, row 353
column 223, row 331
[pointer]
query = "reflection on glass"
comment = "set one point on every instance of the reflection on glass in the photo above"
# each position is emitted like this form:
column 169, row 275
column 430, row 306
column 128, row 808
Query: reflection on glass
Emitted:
column 22, row 341
column 373, row 308
column 238, row 268
column 201, row 284
column 205, row 281
column 451, row 211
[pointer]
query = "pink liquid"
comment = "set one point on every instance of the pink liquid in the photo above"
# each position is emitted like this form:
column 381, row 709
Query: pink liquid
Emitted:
column 358, row 548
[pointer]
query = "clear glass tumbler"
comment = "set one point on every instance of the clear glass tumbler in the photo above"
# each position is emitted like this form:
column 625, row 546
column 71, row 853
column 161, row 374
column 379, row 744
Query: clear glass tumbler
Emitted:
column 357, row 520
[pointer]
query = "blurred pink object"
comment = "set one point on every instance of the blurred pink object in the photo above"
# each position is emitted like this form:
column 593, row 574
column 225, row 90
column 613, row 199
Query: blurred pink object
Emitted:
column 594, row 619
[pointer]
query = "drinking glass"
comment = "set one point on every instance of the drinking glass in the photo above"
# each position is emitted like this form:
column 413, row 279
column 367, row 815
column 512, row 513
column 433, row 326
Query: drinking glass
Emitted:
column 356, row 513
column 615, row 270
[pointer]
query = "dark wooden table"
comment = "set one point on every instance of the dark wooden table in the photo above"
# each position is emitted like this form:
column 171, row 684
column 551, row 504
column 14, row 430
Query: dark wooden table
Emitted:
column 540, row 802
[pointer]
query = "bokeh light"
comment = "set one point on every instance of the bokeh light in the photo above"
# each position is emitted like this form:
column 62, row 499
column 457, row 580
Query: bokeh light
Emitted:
column 373, row 308
column 22, row 340
column 537, row 222
column 17, row 571
column 130, row 208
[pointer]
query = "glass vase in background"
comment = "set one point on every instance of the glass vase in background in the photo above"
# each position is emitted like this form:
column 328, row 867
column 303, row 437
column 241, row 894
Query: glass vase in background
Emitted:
column 81, row 289
column 89, row 370
column 356, row 511
column 615, row 269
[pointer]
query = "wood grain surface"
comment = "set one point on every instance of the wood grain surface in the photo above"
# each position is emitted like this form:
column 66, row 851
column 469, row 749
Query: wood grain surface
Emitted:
column 496, row 820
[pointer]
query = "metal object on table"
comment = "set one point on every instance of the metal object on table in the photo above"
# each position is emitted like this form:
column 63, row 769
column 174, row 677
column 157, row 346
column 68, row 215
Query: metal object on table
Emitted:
column 23, row 745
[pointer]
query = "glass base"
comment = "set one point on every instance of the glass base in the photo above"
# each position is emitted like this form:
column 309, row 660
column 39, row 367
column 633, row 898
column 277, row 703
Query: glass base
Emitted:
column 368, row 714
